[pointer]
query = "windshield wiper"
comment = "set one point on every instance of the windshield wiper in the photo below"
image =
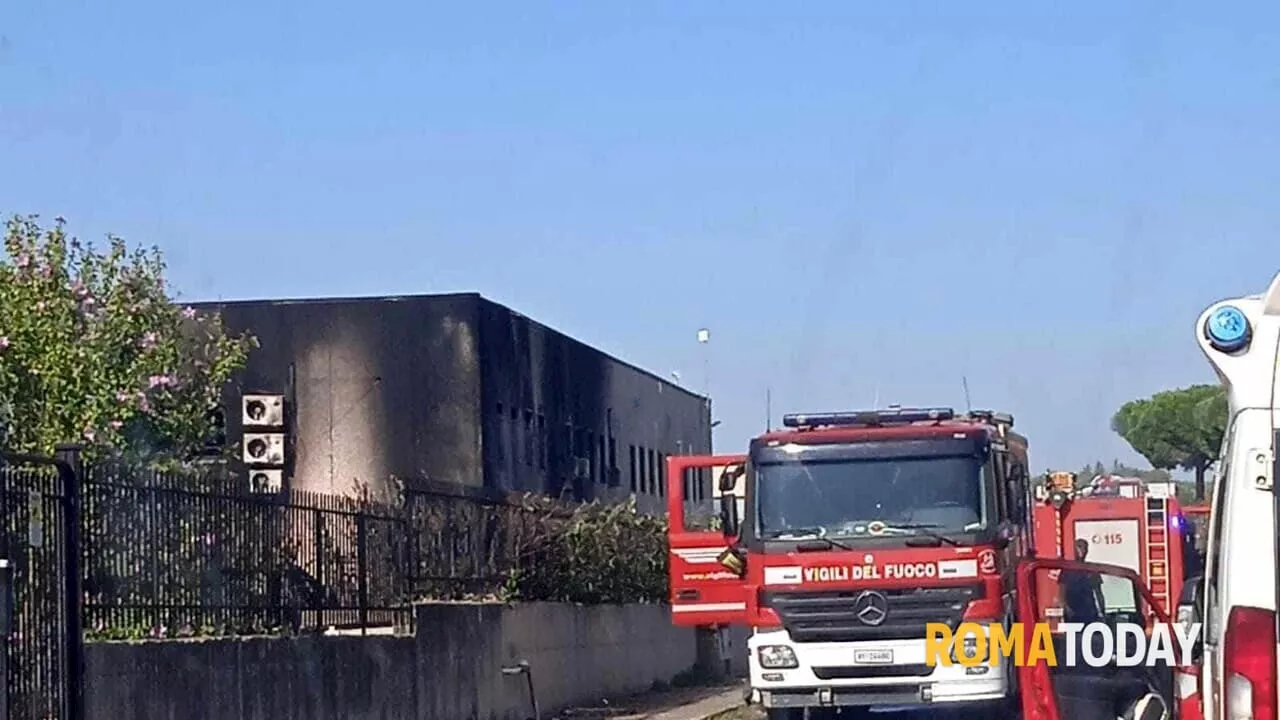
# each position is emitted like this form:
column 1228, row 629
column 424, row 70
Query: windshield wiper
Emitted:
column 810, row 539
column 820, row 543
column 925, row 530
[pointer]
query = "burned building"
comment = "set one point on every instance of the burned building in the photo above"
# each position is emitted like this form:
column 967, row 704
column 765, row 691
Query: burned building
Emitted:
column 459, row 389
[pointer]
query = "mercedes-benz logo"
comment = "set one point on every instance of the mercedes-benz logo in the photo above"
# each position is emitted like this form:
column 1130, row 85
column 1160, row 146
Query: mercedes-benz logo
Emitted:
column 871, row 608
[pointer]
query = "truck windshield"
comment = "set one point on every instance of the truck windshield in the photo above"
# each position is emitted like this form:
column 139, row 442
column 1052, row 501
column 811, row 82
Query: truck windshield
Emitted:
column 869, row 497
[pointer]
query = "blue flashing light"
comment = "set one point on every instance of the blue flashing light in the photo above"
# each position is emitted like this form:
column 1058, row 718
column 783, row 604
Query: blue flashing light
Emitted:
column 1227, row 329
column 868, row 417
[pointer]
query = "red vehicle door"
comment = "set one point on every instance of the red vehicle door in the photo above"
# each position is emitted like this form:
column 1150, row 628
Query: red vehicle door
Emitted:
column 1053, row 592
column 704, row 590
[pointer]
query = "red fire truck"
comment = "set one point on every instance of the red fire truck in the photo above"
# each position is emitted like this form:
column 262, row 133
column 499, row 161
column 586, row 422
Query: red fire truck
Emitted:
column 1120, row 522
column 840, row 537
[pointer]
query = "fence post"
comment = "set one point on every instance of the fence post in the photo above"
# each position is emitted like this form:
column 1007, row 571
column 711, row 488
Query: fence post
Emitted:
column 362, row 569
column 6, row 632
column 71, row 471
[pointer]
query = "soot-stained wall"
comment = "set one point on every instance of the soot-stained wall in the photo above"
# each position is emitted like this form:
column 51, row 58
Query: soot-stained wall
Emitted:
column 374, row 388
column 563, row 418
column 460, row 389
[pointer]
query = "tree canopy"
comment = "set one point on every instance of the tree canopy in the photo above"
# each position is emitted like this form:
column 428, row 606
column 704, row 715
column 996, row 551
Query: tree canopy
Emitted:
column 1176, row 428
column 94, row 350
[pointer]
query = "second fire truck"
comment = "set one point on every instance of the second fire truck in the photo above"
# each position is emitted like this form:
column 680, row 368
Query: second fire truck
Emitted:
column 841, row 537
column 1127, row 523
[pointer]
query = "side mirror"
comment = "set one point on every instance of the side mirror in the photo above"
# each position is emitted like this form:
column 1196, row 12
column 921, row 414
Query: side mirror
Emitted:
column 1149, row 707
column 729, row 478
column 1190, row 611
column 729, row 515
column 733, row 560
column 1001, row 542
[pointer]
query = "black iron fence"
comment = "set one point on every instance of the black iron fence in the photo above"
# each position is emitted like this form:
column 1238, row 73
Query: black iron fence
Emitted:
column 466, row 543
column 195, row 553
column 40, row 639
column 198, row 553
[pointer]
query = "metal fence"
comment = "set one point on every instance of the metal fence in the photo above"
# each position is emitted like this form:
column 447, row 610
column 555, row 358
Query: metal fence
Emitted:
column 41, row 635
column 197, row 554
column 466, row 543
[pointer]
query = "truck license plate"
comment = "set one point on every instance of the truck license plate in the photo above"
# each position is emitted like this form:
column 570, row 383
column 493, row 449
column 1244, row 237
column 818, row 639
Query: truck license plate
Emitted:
column 873, row 657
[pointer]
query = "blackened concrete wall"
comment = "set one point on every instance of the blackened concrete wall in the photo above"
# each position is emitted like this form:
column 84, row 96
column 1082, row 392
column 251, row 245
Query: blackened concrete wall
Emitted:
column 459, row 389
column 563, row 418
column 374, row 387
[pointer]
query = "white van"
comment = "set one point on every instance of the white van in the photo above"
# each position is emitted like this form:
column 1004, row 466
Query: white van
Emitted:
column 1241, row 339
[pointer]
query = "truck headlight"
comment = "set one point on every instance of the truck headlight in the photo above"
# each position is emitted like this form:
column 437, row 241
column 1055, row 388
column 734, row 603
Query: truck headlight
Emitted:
column 970, row 648
column 777, row 657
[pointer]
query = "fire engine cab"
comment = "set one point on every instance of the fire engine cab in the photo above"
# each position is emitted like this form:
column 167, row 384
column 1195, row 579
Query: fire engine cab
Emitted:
column 1120, row 522
column 841, row 537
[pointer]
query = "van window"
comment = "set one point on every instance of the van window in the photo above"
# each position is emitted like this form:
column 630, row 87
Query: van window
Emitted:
column 1214, row 554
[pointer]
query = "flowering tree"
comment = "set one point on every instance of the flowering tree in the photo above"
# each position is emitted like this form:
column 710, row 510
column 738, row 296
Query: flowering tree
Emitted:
column 93, row 350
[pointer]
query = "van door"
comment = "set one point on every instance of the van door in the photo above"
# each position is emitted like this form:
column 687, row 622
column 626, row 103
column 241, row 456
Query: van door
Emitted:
column 704, row 590
column 1103, row 687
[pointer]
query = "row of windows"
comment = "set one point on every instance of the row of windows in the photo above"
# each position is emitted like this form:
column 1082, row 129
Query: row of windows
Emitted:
column 523, row 437
column 648, row 472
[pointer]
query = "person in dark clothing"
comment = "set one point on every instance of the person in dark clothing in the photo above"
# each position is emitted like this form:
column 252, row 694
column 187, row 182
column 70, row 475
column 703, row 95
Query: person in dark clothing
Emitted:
column 1082, row 591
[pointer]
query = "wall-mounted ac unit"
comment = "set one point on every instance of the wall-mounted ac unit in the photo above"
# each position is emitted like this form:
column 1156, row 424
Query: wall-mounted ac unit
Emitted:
column 262, row 411
column 266, row 480
column 263, row 448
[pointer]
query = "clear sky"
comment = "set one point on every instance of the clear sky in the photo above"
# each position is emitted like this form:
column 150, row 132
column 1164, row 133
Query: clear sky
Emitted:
column 862, row 200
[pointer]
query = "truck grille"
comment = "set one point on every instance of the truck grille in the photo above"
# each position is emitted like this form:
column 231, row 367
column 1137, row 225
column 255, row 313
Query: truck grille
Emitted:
column 833, row 615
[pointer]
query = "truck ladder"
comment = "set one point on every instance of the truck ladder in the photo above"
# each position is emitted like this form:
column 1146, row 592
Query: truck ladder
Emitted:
column 1157, row 553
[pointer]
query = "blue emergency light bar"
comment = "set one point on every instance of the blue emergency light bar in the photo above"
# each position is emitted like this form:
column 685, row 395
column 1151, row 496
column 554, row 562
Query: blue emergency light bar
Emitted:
column 868, row 417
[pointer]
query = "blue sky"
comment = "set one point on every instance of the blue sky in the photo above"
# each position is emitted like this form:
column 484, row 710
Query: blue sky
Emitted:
column 860, row 200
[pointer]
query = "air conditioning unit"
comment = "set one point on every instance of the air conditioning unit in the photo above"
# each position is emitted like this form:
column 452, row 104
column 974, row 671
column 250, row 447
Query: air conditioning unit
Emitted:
column 263, row 448
column 266, row 480
column 262, row 411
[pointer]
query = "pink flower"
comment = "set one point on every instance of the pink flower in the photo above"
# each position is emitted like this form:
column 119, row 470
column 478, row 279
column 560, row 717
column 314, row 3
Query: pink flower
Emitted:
column 4, row 342
column 162, row 381
column 123, row 396
column 23, row 261
column 90, row 435
column 188, row 312
column 150, row 340
column 116, row 424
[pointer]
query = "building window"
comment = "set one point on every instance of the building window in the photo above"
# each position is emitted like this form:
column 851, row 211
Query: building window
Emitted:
column 500, row 434
column 640, row 470
column 530, row 441
column 662, row 475
column 634, row 474
column 514, row 429
column 589, row 452
column 566, row 453
column 653, row 474
column 601, row 458
column 542, row 442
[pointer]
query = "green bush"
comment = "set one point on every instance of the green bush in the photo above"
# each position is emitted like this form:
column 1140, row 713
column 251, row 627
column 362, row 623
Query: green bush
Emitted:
column 591, row 554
